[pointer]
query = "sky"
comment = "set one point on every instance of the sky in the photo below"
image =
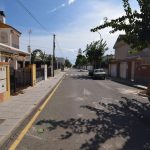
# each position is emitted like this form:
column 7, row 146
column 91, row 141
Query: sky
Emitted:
column 70, row 20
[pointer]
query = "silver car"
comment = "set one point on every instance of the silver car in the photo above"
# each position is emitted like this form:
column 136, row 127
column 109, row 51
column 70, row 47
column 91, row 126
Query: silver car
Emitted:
column 99, row 73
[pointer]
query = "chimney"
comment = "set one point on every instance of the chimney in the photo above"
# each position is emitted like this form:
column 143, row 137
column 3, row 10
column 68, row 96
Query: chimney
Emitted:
column 2, row 17
column 29, row 49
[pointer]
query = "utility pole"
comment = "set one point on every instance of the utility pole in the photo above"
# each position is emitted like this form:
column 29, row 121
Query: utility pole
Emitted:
column 29, row 46
column 53, row 55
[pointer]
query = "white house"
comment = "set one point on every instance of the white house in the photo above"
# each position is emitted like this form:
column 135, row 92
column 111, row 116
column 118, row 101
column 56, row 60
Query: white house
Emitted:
column 9, row 45
column 127, row 65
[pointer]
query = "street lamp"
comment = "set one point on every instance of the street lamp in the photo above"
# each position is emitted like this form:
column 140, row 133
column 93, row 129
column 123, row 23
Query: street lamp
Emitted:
column 99, row 35
column 100, row 42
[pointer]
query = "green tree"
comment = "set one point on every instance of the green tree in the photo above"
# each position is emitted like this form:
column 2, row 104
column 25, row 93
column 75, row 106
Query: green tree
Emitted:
column 40, row 57
column 81, row 60
column 67, row 63
column 136, row 25
column 105, row 61
column 48, row 59
column 95, row 51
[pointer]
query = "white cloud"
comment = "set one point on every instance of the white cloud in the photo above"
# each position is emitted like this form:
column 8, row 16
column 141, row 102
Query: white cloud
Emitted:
column 77, row 34
column 57, row 8
column 71, row 2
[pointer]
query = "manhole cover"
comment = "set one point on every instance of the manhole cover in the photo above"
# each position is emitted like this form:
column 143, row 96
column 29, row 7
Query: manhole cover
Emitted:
column 1, row 121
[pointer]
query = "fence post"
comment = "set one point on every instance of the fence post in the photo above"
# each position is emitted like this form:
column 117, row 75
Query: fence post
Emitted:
column 33, row 74
column 45, row 71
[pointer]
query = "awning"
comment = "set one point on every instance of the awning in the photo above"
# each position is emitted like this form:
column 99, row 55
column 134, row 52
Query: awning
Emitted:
column 12, row 50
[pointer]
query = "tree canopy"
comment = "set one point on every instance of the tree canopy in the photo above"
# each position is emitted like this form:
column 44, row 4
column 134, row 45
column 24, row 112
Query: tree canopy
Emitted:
column 94, row 52
column 67, row 63
column 40, row 57
column 81, row 60
column 135, row 24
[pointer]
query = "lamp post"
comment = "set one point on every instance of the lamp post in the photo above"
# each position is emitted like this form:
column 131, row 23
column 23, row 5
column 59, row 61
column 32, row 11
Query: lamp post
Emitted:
column 99, row 35
column 100, row 41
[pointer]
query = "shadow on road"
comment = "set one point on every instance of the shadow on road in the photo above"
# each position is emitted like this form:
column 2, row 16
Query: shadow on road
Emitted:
column 129, row 119
column 82, row 77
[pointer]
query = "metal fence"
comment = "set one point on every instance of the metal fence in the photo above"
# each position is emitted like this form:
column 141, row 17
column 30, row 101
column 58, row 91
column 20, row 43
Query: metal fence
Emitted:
column 39, row 74
column 19, row 79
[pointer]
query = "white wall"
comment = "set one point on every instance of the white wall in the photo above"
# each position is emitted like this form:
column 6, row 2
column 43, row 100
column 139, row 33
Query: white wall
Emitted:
column 5, row 36
column 9, row 37
column 89, row 67
column 121, row 51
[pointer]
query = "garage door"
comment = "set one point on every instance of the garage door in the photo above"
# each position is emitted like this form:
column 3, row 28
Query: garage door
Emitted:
column 113, row 70
column 123, row 70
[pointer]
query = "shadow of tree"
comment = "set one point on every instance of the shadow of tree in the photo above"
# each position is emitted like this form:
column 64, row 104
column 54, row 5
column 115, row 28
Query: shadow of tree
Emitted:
column 82, row 77
column 129, row 119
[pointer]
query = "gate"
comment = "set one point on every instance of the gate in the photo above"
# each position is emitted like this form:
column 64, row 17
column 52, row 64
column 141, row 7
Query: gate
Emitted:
column 48, row 72
column 19, row 79
column 39, row 74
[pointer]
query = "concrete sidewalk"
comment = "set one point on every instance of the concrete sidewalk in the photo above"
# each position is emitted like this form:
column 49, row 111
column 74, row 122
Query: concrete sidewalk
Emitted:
column 15, row 110
column 139, row 85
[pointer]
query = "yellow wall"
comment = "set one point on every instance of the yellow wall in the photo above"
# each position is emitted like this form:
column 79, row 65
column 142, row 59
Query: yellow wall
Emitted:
column 33, row 76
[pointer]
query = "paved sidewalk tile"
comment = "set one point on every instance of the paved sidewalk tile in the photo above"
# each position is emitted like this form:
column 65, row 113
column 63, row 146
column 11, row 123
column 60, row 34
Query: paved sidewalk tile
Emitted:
column 17, row 108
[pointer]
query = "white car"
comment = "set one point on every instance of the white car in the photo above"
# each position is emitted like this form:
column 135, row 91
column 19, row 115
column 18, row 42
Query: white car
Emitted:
column 99, row 73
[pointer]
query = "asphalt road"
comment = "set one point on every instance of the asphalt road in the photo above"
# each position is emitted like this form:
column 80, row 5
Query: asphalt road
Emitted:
column 86, row 114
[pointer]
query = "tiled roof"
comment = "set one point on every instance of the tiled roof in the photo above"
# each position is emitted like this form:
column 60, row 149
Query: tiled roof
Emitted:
column 2, row 25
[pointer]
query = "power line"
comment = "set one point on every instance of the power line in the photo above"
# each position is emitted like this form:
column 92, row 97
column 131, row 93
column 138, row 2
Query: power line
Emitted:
column 35, row 19
column 35, row 45
column 59, row 48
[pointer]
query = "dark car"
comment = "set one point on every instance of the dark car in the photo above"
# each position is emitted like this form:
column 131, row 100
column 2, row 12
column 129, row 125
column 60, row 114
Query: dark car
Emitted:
column 91, row 72
column 99, row 73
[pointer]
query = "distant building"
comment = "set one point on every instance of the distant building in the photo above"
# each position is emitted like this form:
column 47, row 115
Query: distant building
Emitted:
column 60, row 62
column 9, row 45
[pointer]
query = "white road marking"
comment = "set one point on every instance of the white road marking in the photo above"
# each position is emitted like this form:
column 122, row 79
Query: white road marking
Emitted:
column 86, row 92
column 79, row 99
column 79, row 74
column 80, row 115
column 105, row 86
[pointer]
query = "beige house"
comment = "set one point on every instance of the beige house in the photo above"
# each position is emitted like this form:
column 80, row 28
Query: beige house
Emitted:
column 129, row 66
column 9, row 45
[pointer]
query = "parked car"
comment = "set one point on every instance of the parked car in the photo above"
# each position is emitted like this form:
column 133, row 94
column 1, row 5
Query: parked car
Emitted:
column 99, row 73
column 91, row 72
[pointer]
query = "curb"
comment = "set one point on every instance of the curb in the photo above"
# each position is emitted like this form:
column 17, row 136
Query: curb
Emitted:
column 129, row 84
column 142, row 94
column 6, row 142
